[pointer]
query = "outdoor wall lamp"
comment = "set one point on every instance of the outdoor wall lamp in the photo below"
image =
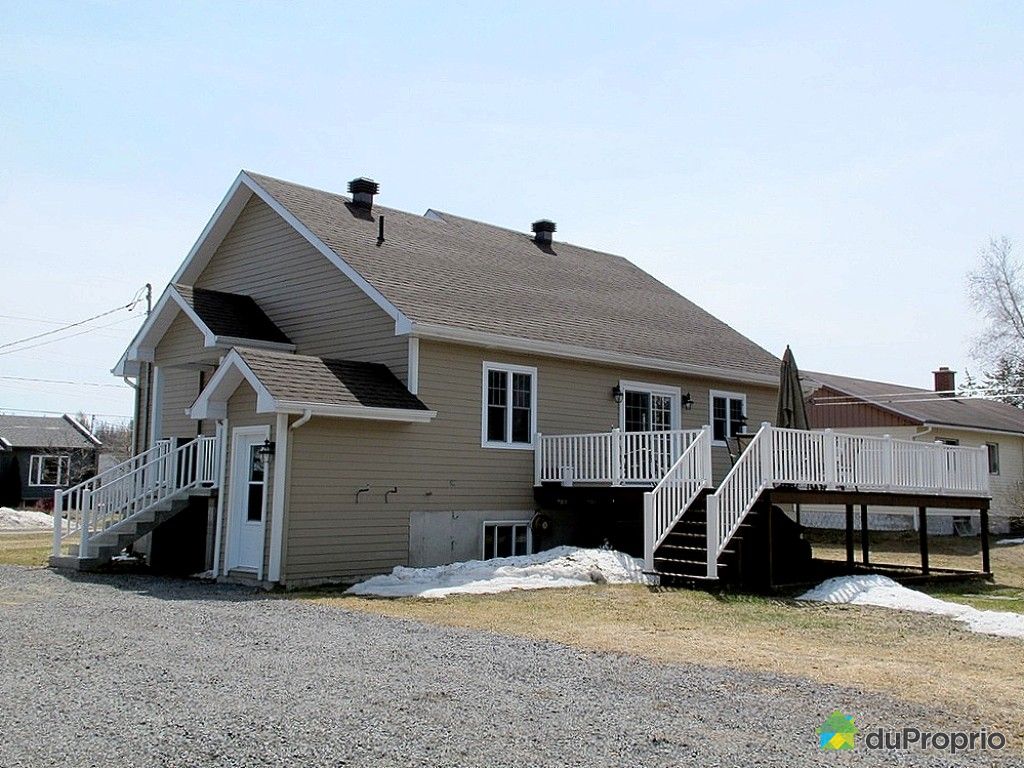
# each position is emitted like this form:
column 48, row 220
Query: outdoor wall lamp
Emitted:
column 267, row 449
column 687, row 402
column 617, row 394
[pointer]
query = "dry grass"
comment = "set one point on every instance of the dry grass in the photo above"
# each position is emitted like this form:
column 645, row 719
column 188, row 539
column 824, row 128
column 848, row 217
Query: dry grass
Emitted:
column 925, row 659
column 25, row 548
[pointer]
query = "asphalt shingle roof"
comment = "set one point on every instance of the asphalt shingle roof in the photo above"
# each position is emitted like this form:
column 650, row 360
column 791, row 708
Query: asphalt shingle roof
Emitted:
column 231, row 314
column 306, row 379
column 958, row 412
column 451, row 271
column 42, row 432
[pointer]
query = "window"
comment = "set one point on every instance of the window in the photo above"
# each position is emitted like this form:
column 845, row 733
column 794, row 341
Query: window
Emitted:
column 509, row 406
column 648, row 407
column 257, row 475
column 993, row 458
column 728, row 414
column 49, row 470
column 506, row 540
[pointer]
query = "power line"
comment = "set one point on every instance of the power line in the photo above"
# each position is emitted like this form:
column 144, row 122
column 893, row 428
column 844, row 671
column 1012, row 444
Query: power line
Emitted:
column 129, row 306
column 63, row 338
column 62, row 381
column 61, row 413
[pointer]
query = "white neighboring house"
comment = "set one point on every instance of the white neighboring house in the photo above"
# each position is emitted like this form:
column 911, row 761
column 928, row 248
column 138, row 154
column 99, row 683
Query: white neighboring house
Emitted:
column 878, row 408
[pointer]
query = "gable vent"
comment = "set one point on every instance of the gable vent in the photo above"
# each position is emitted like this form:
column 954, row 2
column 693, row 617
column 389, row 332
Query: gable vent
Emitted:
column 362, row 191
column 543, row 230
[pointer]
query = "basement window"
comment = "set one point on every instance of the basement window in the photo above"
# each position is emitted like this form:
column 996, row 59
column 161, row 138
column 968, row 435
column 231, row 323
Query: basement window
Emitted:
column 49, row 470
column 993, row 458
column 506, row 539
column 509, row 418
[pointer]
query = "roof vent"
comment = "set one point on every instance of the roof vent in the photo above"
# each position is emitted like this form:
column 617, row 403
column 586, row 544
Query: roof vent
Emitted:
column 362, row 191
column 945, row 381
column 542, row 230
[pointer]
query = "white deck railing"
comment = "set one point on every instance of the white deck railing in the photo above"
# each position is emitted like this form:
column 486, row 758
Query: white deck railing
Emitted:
column 118, row 493
column 835, row 461
column 612, row 458
column 666, row 504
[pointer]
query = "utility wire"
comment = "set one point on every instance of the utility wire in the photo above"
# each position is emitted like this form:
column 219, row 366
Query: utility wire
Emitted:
column 61, row 413
column 63, row 338
column 62, row 381
column 129, row 306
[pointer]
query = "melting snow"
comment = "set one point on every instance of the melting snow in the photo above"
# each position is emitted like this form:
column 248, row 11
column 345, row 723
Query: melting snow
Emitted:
column 886, row 593
column 24, row 519
column 1009, row 542
column 558, row 567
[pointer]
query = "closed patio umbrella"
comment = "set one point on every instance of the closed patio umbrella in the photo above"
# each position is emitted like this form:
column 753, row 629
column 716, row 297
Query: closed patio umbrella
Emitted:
column 791, row 412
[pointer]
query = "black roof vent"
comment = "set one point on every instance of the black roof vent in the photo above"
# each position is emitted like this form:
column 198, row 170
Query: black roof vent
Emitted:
column 362, row 191
column 542, row 230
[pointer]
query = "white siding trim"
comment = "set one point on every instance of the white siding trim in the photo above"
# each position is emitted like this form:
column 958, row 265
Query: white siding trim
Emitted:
column 413, row 372
column 156, row 401
column 510, row 369
column 223, row 432
column 280, row 460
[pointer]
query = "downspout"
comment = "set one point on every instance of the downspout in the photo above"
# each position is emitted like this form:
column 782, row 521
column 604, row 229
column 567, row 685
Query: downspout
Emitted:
column 306, row 416
column 913, row 437
column 222, row 430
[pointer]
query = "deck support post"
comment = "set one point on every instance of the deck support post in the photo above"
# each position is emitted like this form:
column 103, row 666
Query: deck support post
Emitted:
column 864, row 541
column 986, row 565
column 649, row 532
column 849, row 536
column 796, row 508
column 922, row 530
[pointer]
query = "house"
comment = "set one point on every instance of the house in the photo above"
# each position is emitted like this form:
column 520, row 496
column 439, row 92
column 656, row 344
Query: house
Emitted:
column 861, row 406
column 39, row 454
column 328, row 388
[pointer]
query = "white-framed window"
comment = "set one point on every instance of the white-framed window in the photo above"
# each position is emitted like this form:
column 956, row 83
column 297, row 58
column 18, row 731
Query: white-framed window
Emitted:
column 649, row 407
column 993, row 458
column 728, row 414
column 504, row 538
column 49, row 470
column 509, row 408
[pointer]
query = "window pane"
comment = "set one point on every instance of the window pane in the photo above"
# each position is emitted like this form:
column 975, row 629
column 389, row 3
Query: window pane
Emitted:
column 638, row 409
column 50, row 470
column 521, row 540
column 497, row 387
column 255, row 464
column 993, row 458
column 521, row 390
column 521, row 425
column 503, row 543
column 496, row 423
column 521, row 407
column 254, row 510
column 497, row 402
column 719, row 418
column 735, row 416
column 488, row 542
column 661, row 412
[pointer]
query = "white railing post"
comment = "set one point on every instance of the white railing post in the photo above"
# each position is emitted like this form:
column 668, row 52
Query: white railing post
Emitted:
column 983, row 476
column 767, row 454
column 829, row 450
column 84, row 521
column 712, row 537
column 649, row 531
column 58, row 520
column 616, row 457
column 538, row 457
column 887, row 462
column 707, row 437
column 939, row 467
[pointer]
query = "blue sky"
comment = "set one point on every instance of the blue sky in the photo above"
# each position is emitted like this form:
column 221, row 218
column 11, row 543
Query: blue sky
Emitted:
column 817, row 174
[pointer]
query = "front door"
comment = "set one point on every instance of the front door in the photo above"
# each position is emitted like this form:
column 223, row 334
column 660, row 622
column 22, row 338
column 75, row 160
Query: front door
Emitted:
column 248, row 499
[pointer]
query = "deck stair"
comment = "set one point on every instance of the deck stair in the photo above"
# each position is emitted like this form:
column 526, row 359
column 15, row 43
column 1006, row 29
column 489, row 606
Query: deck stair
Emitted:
column 95, row 520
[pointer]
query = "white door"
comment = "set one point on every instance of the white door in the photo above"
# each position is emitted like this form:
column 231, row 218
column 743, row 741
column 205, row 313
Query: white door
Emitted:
column 248, row 500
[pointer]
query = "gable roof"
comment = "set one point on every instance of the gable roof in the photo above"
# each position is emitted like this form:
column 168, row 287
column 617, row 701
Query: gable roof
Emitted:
column 288, row 383
column 923, row 406
column 443, row 276
column 45, row 432
column 232, row 315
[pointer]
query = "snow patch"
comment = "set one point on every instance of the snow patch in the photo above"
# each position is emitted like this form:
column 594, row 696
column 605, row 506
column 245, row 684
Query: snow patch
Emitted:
column 24, row 519
column 886, row 593
column 1009, row 542
column 558, row 567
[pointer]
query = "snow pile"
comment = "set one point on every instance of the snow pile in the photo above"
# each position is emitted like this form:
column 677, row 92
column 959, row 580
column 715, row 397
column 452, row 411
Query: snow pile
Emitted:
column 886, row 593
column 1009, row 542
column 558, row 567
column 23, row 519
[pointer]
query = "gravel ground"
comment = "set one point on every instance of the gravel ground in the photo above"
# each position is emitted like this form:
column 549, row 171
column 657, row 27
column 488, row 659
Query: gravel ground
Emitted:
column 134, row 670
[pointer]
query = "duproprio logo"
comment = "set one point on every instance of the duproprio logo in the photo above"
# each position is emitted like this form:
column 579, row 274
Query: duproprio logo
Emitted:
column 837, row 732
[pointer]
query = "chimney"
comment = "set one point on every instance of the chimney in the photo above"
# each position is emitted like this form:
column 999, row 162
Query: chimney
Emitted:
column 945, row 381
column 542, row 231
column 362, row 191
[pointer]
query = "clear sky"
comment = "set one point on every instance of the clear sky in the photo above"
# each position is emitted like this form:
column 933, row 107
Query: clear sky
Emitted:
column 818, row 174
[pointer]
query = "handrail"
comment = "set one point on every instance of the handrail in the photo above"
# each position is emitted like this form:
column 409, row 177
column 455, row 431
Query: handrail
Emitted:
column 616, row 457
column 133, row 486
column 835, row 460
column 678, row 489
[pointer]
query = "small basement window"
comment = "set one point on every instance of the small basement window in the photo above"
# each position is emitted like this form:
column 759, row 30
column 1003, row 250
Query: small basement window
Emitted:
column 506, row 539
column 993, row 458
column 49, row 470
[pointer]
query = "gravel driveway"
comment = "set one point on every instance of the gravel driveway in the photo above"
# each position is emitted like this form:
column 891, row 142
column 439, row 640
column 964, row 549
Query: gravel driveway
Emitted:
column 128, row 670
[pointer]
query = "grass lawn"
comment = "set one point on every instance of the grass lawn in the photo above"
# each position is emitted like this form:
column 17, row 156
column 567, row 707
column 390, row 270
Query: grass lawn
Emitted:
column 921, row 658
column 25, row 548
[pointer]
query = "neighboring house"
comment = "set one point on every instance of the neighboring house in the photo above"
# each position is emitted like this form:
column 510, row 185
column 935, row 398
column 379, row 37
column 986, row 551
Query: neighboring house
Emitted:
column 356, row 388
column 860, row 406
column 44, row 453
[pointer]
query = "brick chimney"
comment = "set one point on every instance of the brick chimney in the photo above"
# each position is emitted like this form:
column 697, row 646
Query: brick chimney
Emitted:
column 945, row 381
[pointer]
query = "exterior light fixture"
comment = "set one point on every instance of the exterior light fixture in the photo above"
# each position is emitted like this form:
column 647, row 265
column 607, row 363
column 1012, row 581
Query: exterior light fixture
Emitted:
column 617, row 394
column 687, row 402
column 268, row 448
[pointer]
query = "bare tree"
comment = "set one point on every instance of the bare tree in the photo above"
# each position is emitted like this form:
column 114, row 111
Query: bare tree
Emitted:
column 996, row 290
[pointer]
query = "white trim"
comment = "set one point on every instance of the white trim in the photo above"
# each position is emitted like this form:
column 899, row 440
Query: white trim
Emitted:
column 156, row 396
column 230, row 562
column 83, row 429
column 280, row 463
column 35, row 470
column 353, row 411
column 483, row 537
column 933, row 425
column 557, row 349
column 413, row 370
column 712, row 394
column 5, row 444
column 675, row 393
column 222, row 432
column 508, row 368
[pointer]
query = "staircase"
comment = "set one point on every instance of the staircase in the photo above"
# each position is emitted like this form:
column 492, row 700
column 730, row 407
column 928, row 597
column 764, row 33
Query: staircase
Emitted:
column 95, row 520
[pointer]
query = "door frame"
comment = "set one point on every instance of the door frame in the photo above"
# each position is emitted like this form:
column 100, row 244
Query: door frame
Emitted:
column 233, row 529
column 674, row 394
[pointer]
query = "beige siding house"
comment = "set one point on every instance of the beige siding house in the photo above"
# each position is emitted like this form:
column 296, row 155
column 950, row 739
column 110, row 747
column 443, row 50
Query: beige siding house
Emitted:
column 864, row 407
column 379, row 382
